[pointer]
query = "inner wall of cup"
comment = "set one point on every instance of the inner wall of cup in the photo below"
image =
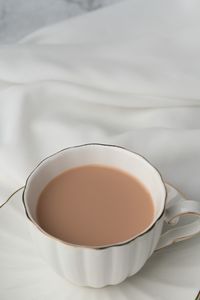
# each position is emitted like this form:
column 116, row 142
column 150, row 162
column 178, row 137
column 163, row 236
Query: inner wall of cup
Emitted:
column 94, row 154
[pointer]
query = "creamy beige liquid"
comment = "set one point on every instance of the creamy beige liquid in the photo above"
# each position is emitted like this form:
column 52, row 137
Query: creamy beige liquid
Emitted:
column 95, row 205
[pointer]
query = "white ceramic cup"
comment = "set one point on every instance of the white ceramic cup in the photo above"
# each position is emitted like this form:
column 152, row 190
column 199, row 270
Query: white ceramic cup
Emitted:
column 110, row 264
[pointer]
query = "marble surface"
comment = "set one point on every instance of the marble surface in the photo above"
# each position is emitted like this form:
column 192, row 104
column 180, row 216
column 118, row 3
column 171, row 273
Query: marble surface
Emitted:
column 21, row 17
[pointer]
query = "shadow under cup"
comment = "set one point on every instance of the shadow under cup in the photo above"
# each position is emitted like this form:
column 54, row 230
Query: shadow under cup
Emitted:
column 74, row 262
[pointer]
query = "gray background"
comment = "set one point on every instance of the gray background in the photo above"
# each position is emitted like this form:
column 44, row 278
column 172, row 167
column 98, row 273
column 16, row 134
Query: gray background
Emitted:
column 21, row 17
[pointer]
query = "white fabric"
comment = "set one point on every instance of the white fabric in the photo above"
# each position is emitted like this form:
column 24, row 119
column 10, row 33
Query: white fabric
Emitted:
column 127, row 75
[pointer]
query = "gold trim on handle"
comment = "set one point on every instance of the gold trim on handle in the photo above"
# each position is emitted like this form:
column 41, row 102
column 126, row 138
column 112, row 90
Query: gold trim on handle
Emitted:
column 180, row 238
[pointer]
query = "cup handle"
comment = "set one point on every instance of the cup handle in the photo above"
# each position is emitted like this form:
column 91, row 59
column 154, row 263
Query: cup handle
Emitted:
column 172, row 214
